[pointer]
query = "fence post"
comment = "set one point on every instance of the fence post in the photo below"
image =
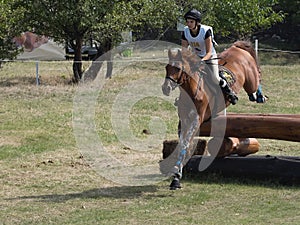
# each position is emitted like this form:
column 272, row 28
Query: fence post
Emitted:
column 37, row 78
column 256, row 48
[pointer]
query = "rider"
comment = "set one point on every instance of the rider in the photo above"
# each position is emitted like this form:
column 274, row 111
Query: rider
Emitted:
column 201, row 39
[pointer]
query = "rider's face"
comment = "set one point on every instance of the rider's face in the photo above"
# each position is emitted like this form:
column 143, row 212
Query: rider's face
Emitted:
column 191, row 24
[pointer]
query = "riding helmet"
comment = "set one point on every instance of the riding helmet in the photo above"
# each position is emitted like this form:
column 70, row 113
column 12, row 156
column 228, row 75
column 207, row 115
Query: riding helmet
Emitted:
column 193, row 14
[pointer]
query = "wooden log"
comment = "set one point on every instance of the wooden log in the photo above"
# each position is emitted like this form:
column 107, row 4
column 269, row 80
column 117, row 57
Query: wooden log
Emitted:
column 228, row 146
column 285, row 169
column 267, row 126
column 247, row 146
column 231, row 145
column 170, row 145
column 265, row 114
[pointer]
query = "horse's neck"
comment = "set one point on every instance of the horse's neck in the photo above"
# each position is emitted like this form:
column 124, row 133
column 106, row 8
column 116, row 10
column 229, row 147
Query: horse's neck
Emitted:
column 203, row 93
column 190, row 84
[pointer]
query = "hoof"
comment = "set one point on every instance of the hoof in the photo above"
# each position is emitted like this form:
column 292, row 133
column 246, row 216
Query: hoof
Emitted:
column 252, row 97
column 175, row 184
column 261, row 99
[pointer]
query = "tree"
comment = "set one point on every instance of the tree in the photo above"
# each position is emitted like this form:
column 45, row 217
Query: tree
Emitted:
column 237, row 18
column 248, row 16
column 8, row 30
column 130, row 16
column 75, row 21
column 289, row 29
column 68, row 20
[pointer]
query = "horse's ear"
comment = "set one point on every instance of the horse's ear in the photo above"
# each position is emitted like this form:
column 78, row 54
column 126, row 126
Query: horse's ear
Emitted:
column 174, row 53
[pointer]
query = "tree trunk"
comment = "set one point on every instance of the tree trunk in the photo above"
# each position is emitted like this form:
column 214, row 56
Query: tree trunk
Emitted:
column 77, row 63
column 109, row 65
column 108, row 57
column 104, row 54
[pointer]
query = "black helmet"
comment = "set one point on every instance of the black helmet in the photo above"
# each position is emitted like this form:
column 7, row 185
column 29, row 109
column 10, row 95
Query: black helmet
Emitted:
column 194, row 15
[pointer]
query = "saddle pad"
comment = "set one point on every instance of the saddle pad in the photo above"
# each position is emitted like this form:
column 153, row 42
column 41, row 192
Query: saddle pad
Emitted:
column 227, row 75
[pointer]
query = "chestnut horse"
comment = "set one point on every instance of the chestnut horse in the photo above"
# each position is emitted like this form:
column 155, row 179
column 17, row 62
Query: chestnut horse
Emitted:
column 200, row 99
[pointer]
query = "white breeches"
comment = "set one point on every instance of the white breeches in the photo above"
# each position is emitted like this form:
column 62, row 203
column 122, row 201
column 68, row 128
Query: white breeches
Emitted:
column 214, row 69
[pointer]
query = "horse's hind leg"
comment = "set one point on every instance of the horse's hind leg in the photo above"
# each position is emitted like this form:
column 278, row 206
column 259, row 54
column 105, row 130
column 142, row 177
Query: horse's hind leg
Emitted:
column 258, row 96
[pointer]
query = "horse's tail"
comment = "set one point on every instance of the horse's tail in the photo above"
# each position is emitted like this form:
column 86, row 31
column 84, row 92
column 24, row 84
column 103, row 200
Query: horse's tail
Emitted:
column 247, row 46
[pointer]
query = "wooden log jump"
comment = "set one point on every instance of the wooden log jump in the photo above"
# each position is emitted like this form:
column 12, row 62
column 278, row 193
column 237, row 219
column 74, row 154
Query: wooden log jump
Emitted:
column 267, row 126
column 247, row 127
column 241, row 131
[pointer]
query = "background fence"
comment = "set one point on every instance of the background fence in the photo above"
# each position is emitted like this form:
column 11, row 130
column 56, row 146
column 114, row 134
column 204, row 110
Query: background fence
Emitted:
column 50, row 72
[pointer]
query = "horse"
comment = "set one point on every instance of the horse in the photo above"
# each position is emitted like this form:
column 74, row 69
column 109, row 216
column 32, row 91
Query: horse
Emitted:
column 200, row 100
column 30, row 41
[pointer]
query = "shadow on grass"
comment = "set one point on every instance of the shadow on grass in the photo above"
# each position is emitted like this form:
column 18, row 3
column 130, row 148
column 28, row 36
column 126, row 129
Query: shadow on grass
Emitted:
column 16, row 81
column 132, row 192
column 118, row 192
column 30, row 81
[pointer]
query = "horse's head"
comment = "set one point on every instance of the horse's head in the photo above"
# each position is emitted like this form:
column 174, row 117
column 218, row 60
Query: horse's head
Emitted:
column 182, row 67
column 185, row 69
column 174, row 71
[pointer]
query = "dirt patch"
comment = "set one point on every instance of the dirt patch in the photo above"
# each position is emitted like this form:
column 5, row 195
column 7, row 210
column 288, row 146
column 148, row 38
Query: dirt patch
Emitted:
column 8, row 140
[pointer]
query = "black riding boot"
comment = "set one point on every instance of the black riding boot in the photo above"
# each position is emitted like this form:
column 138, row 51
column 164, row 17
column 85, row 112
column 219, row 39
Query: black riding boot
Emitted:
column 228, row 92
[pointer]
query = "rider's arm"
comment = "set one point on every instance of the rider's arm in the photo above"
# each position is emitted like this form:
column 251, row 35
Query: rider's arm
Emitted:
column 208, row 45
column 184, row 42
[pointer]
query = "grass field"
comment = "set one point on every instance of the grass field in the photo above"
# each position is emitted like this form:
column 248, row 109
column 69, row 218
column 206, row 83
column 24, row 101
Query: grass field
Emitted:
column 45, row 178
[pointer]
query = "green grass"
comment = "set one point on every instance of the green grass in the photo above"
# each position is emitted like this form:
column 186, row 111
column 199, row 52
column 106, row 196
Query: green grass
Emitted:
column 46, row 180
column 36, row 119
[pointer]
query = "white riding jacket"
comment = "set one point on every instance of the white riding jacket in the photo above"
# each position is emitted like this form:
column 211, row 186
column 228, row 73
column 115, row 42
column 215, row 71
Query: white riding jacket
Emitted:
column 198, row 43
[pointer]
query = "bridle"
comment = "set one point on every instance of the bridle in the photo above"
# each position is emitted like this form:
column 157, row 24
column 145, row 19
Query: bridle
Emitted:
column 180, row 80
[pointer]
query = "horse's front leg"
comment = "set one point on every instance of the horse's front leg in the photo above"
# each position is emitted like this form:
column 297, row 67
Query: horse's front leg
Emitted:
column 189, row 127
